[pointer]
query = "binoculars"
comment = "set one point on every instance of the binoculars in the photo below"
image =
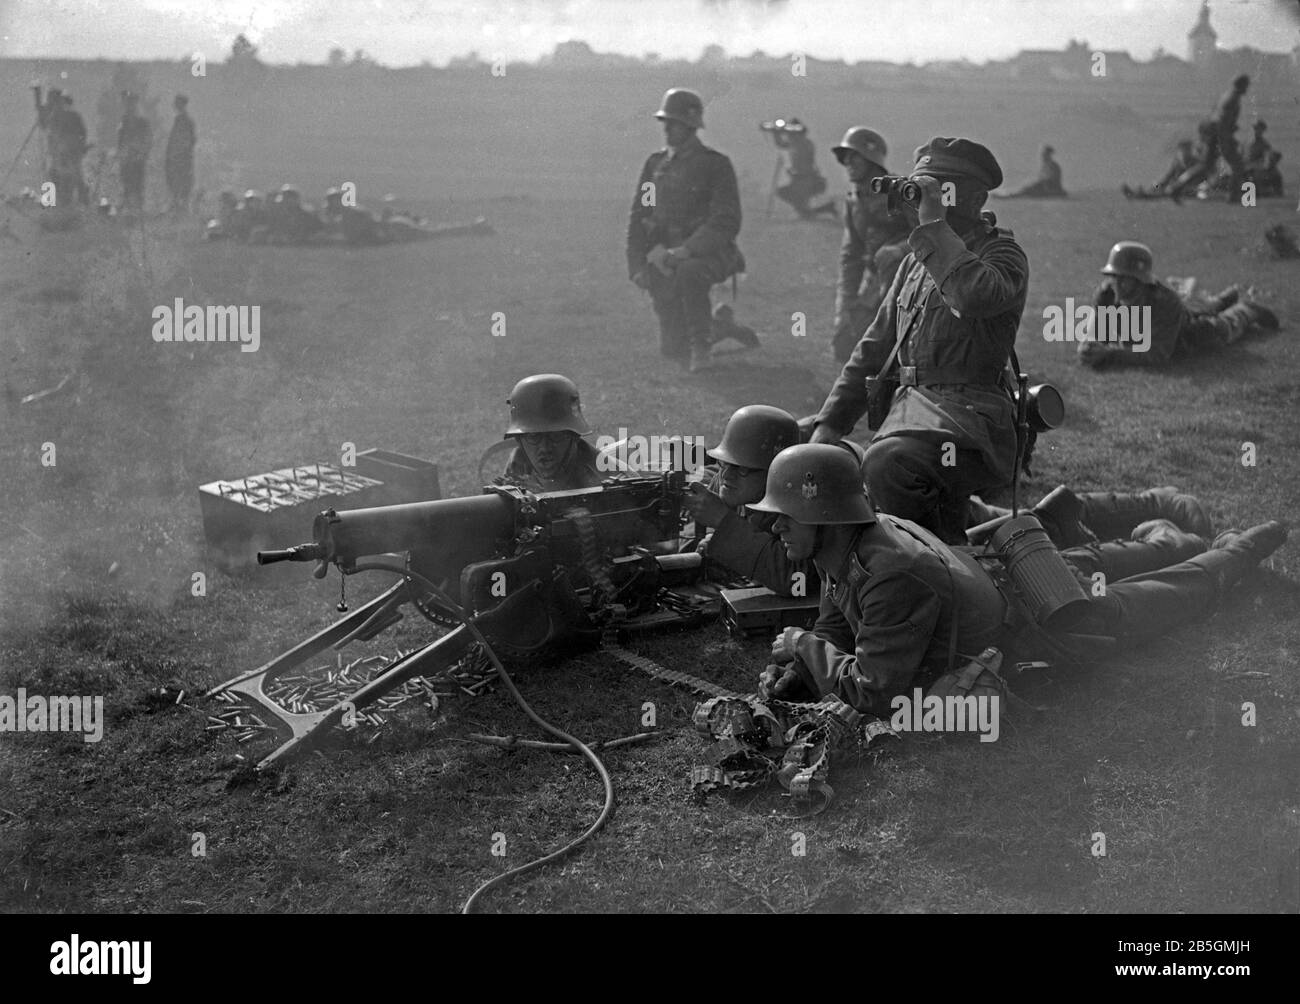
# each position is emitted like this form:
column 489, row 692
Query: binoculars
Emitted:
column 898, row 189
column 781, row 125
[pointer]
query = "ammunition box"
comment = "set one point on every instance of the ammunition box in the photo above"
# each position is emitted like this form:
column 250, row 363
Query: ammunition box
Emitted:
column 760, row 611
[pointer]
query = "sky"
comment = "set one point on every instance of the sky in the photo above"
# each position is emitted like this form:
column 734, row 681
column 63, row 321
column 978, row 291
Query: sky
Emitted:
column 407, row 32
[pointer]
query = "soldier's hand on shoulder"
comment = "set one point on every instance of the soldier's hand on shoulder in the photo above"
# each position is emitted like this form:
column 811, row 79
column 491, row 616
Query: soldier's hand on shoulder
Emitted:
column 641, row 279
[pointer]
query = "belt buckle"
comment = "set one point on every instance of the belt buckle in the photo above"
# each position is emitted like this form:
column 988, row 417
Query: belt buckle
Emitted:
column 907, row 376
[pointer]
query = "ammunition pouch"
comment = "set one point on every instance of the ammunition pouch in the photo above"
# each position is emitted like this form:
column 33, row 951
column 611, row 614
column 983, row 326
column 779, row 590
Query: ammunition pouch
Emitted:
column 980, row 677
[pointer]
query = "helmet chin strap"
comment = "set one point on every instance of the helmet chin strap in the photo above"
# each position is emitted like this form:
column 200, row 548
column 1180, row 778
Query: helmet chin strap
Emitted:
column 819, row 540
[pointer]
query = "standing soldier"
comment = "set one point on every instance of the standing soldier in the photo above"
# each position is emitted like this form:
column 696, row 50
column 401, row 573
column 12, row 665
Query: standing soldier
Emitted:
column 179, row 161
column 134, row 138
column 73, row 129
column 875, row 240
column 681, row 232
column 1226, row 113
column 1176, row 327
column 946, row 328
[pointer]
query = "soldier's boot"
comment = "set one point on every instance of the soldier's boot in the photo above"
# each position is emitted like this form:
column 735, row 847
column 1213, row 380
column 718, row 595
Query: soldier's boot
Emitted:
column 1235, row 552
column 1245, row 319
column 725, row 326
column 1113, row 515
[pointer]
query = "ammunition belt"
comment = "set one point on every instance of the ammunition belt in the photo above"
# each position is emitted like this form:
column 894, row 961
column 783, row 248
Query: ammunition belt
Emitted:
column 750, row 732
column 592, row 554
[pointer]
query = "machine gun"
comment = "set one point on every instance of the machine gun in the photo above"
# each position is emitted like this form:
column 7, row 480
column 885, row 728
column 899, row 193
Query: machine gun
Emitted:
column 517, row 571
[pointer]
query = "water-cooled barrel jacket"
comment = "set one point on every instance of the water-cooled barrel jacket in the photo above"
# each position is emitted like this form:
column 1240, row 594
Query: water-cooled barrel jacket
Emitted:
column 1170, row 321
column 868, row 226
column 891, row 613
column 580, row 471
column 693, row 203
column 958, row 301
column 743, row 543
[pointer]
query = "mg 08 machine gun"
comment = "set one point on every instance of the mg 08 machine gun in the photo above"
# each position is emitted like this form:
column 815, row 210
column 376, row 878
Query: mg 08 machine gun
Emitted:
column 515, row 572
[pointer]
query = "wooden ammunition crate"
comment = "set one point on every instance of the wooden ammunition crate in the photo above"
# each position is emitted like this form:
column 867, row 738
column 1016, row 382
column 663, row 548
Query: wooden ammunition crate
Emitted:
column 276, row 509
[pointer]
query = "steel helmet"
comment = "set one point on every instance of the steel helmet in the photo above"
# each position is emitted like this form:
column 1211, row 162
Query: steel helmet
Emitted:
column 546, row 402
column 816, row 484
column 754, row 435
column 1129, row 258
column 683, row 106
column 252, row 194
column 864, row 141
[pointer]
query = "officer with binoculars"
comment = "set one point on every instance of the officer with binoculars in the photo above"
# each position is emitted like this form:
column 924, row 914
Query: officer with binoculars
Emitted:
column 945, row 332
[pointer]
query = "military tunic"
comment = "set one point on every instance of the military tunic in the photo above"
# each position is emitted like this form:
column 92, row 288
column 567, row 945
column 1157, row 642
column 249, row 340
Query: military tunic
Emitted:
column 957, row 301
column 693, row 203
column 889, row 606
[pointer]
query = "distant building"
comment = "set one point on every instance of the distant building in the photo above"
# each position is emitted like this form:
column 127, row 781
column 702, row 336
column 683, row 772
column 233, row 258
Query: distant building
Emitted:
column 1202, row 41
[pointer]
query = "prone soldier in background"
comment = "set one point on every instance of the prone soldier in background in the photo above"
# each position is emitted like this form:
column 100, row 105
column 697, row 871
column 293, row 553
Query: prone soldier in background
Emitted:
column 547, row 424
column 1130, row 294
column 681, row 231
column 875, row 240
column 288, row 221
column 805, row 180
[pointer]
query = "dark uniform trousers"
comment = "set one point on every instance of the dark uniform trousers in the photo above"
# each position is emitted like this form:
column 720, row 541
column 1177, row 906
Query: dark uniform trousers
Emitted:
column 895, row 598
column 685, row 198
column 682, row 303
column 950, row 431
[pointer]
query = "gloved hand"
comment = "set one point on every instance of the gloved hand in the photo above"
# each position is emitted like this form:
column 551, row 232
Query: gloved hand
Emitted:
column 642, row 279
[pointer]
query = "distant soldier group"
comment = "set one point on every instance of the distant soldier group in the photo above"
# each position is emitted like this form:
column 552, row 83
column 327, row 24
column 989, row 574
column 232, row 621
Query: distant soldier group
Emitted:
column 285, row 219
column 1215, row 162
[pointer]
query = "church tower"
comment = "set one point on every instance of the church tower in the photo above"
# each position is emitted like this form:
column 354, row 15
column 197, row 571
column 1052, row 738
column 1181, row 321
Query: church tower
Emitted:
column 1202, row 40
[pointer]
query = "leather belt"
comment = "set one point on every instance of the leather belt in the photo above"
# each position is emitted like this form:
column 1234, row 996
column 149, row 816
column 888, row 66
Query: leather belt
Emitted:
column 924, row 376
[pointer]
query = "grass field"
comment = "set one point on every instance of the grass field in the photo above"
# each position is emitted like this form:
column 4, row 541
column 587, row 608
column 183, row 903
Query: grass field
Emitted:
column 392, row 347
